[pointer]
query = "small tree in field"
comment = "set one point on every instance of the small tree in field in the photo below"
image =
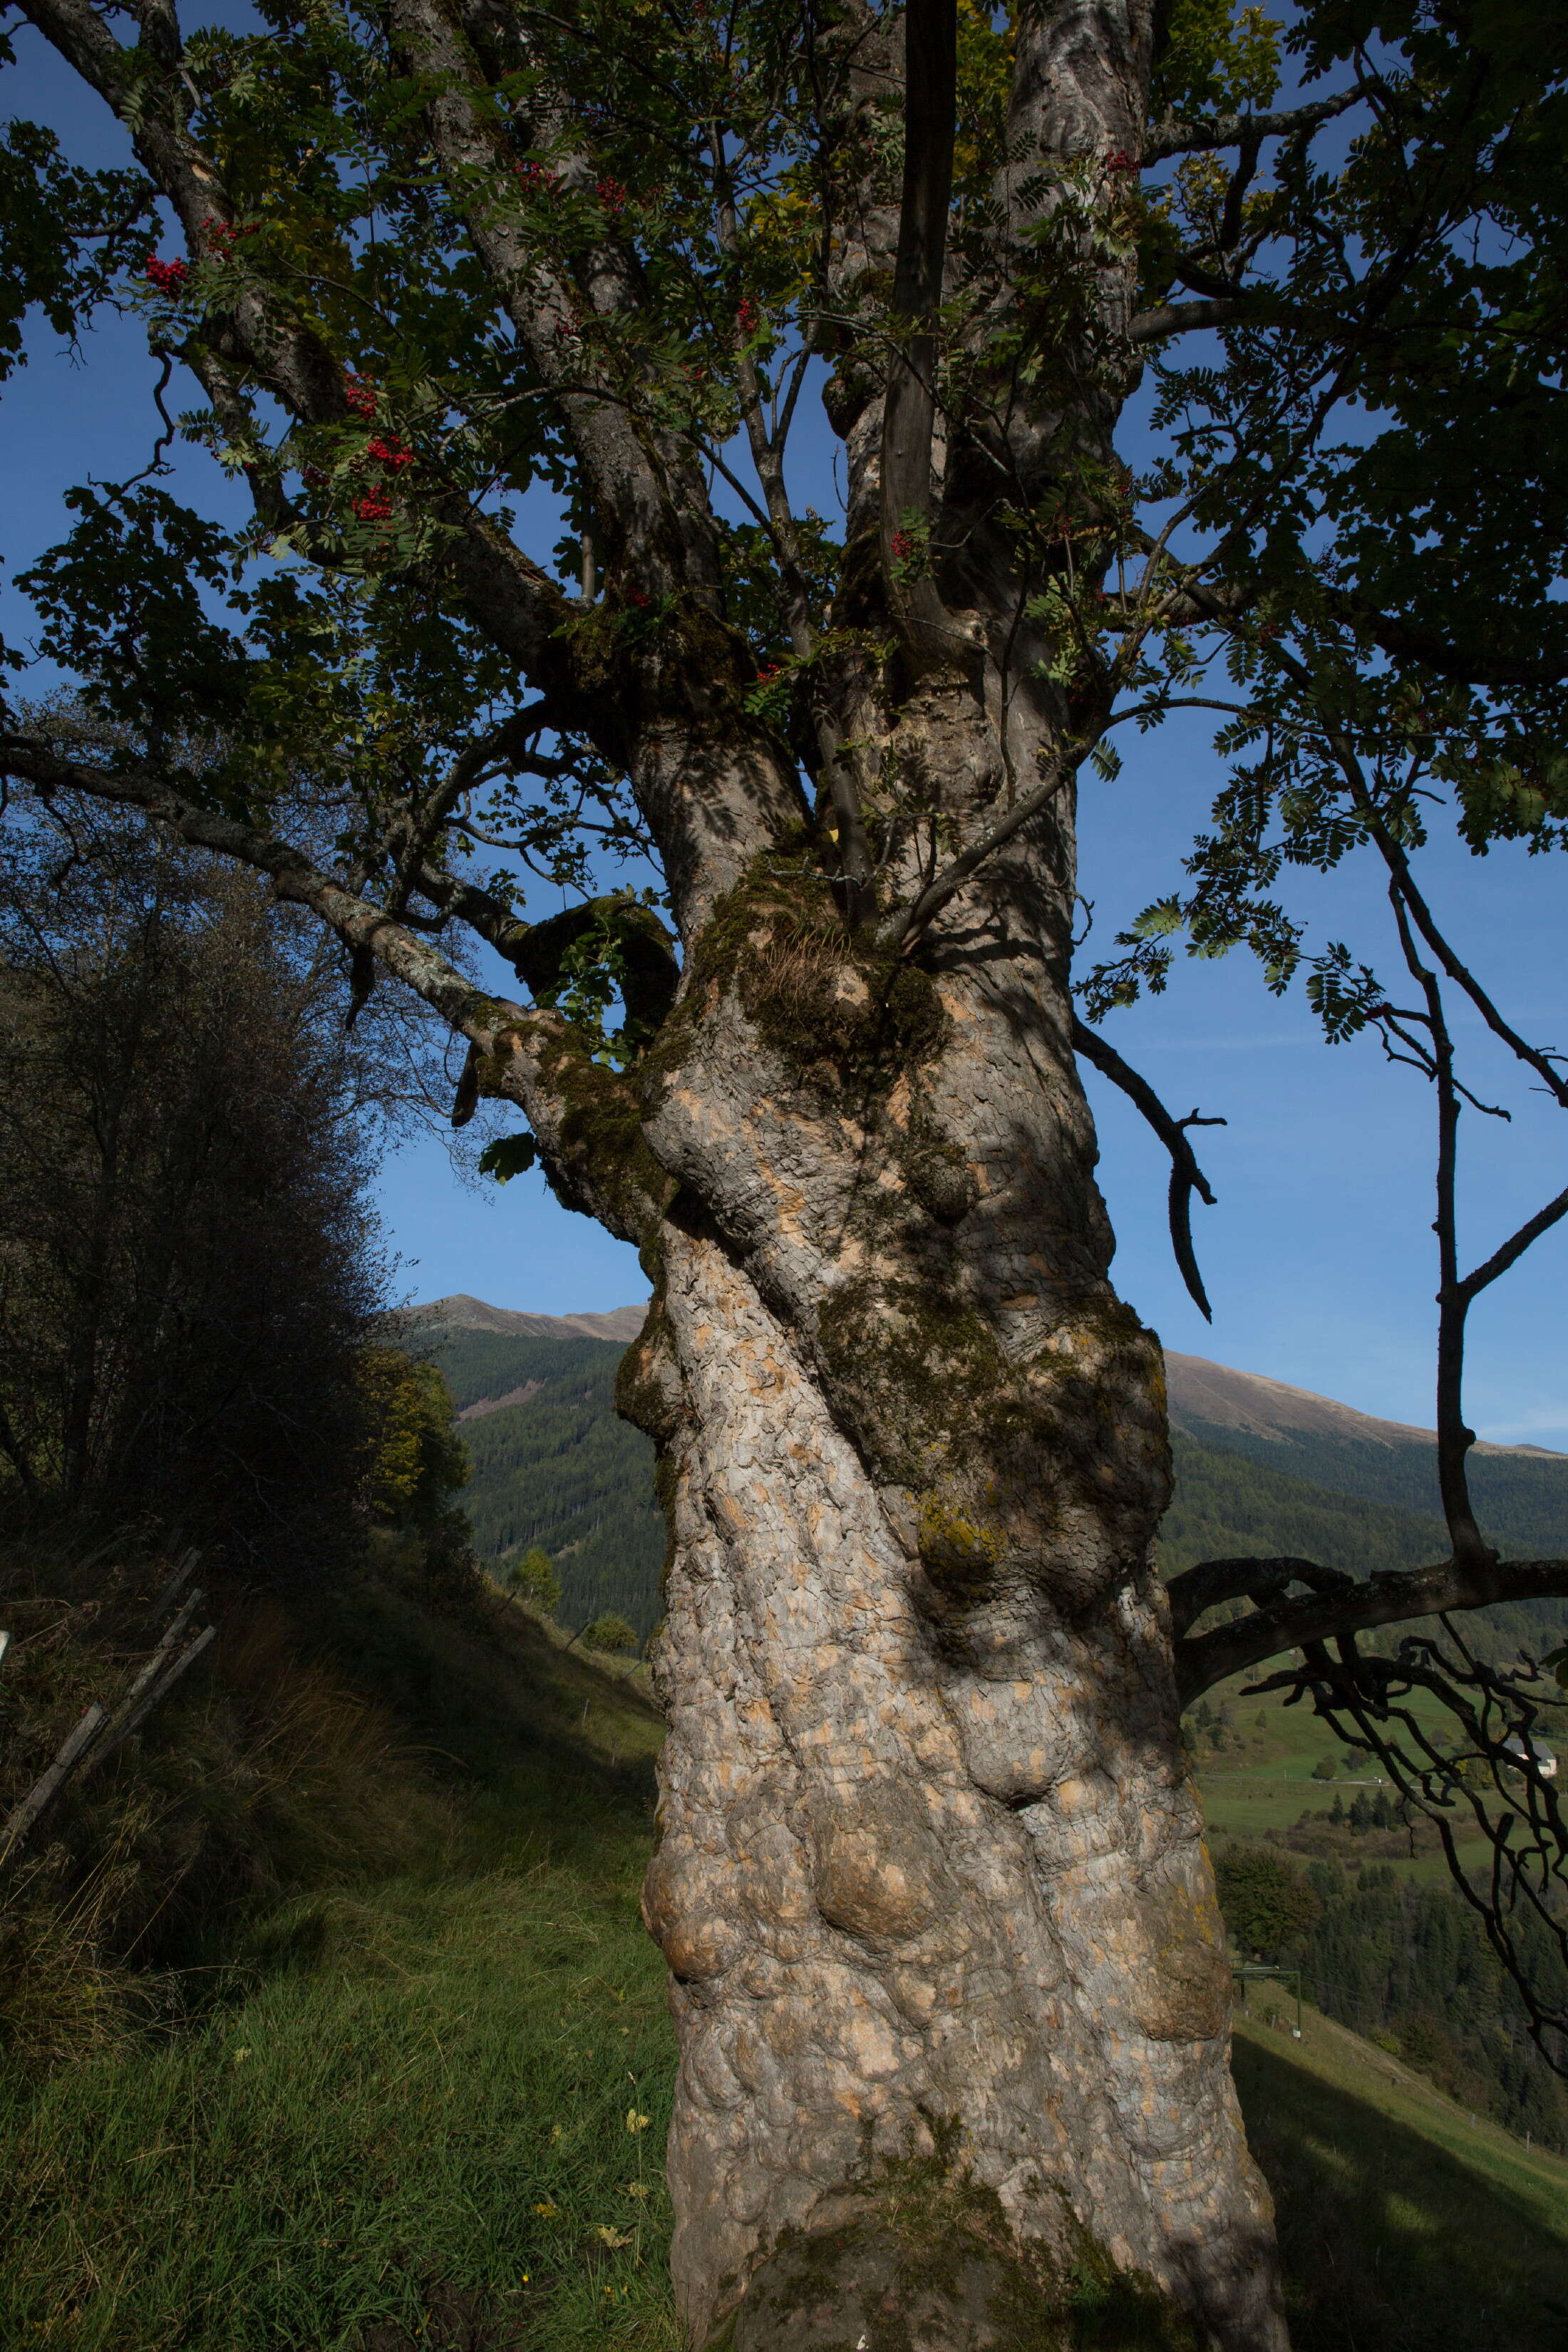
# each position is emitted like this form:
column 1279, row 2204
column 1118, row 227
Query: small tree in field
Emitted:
column 531, row 1578
column 947, row 1966
column 610, row 1633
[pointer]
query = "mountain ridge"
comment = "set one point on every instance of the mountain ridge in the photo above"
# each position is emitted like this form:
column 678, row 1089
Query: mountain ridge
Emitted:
column 461, row 1312
column 1204, row 1396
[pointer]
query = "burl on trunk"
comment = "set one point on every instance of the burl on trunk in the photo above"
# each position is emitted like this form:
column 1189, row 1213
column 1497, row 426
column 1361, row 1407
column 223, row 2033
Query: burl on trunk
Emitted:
column 949, row 1975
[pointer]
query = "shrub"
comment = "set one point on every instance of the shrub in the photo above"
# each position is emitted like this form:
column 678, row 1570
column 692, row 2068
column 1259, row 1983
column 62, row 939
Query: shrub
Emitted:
column 531, row 1578
column 609, row 1632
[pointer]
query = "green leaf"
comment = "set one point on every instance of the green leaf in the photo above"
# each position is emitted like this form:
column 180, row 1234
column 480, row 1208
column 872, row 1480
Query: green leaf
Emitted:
column 508, row 1156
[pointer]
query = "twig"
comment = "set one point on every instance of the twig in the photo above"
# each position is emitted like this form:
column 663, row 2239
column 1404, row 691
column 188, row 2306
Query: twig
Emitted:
column 1186, row 1176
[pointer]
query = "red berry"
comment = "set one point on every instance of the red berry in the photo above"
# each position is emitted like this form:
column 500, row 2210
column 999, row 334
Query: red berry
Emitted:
column 168, row 276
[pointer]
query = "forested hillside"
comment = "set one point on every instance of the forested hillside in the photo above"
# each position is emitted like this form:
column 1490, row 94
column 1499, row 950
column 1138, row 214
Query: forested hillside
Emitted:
column 557, row 1467
column 1521, row 1499
column 553, row 1465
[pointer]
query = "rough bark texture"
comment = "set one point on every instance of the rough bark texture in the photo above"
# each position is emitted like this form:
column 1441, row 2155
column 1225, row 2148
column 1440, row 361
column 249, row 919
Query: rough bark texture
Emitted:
column 931, row 1878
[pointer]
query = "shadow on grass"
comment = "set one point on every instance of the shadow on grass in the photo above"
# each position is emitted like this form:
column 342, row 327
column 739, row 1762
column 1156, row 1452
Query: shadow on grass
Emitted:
column 1389, row 2244
column 496, row 1708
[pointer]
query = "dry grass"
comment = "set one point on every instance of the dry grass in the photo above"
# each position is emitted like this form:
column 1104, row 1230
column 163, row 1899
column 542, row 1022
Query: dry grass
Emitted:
column 262, row 1772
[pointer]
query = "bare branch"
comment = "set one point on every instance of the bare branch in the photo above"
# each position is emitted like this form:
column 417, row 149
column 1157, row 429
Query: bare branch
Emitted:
column 1386, row 1599
column 1175, row 138
column 1186, row 1176
column 1181, row 318
column 1484, row 1781
column 1515, row 1247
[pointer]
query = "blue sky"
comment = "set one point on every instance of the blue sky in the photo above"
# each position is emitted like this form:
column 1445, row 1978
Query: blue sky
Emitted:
column 1319, row 1258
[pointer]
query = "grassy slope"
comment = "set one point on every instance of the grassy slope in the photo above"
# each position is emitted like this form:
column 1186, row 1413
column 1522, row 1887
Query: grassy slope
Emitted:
column 1401, row 2225
column 405, row 2121
column 1275, row 1788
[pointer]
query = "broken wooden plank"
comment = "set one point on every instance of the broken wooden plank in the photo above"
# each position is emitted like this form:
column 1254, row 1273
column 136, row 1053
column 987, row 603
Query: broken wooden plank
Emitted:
column 71, row 1749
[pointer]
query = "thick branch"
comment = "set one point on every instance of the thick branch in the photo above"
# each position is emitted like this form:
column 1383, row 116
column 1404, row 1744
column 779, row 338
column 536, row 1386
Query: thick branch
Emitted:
column 1260, row 1580
column 1181, row 318
column 909, row 416
column 631, row 495
column 1173, row 138
column 531, row 1058
column 1186, row 1176
column 1204, row 1659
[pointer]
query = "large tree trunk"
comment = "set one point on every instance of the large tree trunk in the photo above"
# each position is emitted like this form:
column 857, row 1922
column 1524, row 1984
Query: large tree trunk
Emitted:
column 950, row 1978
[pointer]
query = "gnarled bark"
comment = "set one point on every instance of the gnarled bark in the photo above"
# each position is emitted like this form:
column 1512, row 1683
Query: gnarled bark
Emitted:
column 950, row 1978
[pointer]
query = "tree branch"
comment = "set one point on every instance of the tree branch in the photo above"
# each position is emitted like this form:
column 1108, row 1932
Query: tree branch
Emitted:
column 1261, row 1580
column 1171, row 137
column 1181, row 318
column 1186, row 1176
column 1386, row 1599
column 909, row 414
column 531, row 1056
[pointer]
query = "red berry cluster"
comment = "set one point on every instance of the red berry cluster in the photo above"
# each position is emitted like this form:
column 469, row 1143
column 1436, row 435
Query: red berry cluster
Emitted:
column 610, row 194
column 373, row 507
column 395, row 456
column 168, row 276
column 1119, row 162
column 221, row 238
column 749, row 317
column 359, row 397
column 640, row 597
column 903, row 547
column 767, row 673
column 538, row 179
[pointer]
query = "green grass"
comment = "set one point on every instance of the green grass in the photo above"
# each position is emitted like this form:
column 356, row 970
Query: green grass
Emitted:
column 1403, row 2225
column 1273, row 1789
column 402, row 2120
column 418, row 2070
